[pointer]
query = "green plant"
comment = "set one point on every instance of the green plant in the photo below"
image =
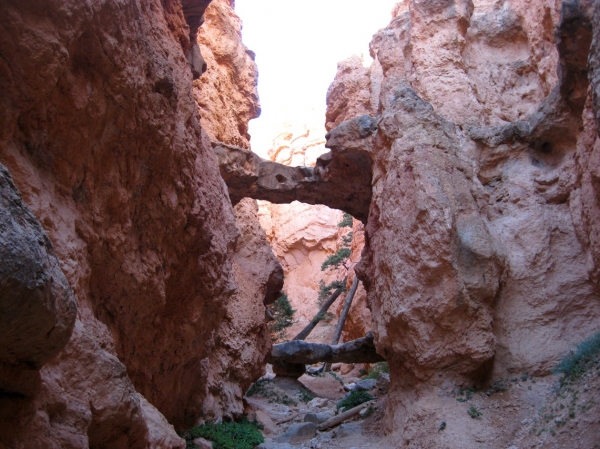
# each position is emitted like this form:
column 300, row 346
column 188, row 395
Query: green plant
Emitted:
column 231, row 435
column 368, row 412
column 283, row 317
column 346, row 221
column 336, row 259
column 347, row 239
column 260, row 387
column 465, row 394
column 576, row 363
column 376, row 369
column 354, row 398
column 474, row 412
column 325, row 290
column 265, row 388
column 305, row 396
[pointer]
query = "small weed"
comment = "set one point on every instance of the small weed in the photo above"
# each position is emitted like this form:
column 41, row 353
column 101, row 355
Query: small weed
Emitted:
column 474, row 412
column 465, row 395
column 263, row 387
column 577, row 362
column 355, row 398
column 305, row 396
column 499, row 385
column 260, row 387
column 283, row 399
column 368, row 412
column 376, row 369
column 231, row 435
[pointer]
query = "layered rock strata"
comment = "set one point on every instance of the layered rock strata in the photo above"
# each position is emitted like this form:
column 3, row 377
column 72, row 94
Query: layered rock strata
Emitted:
column 101, row 134
column 480, row 259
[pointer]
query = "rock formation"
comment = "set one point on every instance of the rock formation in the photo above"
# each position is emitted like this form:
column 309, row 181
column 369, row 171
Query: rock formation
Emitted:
column 225, row 111
column 303, row 236
column 102, row 136
column 479, row 258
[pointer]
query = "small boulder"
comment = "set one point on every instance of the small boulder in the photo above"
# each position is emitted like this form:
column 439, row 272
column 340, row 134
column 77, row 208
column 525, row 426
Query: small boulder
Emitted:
column 269, row 426
column 317, row 418
column 317, row 402
column 365, row 385
column 201, row 443
column 348, row 430
column 298, row 433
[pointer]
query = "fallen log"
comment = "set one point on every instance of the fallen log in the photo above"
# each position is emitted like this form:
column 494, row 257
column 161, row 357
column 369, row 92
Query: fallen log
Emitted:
column 361, row 350
column 344, row 416
column 340, row 326
column 319, row 316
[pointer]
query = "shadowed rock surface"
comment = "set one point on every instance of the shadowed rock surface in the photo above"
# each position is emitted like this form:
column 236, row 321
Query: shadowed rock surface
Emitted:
column 37, row 306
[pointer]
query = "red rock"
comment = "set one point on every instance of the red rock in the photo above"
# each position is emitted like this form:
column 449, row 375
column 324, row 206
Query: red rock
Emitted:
column 101, row 133
column 481, row 248
column 231, row 69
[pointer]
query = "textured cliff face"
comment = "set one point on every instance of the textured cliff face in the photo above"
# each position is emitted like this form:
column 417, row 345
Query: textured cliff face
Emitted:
column 240, row 346
column 102, row 136
column 231, row 70
column 237, row 350
column 480, row 255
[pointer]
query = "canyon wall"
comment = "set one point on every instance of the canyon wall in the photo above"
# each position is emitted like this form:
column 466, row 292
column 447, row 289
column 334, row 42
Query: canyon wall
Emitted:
column 102, row 136
column 302, row 236
column 481, row 255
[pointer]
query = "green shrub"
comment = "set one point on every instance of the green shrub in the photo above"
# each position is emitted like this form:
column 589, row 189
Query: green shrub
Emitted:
column 575, row 364
column 305, row 396
column 336, row 259
column 283, row 317
column 355, row 398
column 474, row 412
column 325, row 290
column 266, row 388
column 347, row 239
column 231, row 435
column 346, row 221
column 260, row 387
column 379, row 367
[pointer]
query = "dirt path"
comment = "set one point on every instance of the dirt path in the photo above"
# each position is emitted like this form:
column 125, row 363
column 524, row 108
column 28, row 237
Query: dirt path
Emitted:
column 286, row 408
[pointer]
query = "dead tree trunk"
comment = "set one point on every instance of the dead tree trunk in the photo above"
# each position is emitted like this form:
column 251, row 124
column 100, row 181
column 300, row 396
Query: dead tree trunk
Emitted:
column 295, row 370
column 361, row 350
column 308, row 329
column 343, row 316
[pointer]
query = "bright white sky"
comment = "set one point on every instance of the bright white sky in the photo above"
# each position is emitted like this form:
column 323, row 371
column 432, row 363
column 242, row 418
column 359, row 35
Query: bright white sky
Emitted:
column 298, row 44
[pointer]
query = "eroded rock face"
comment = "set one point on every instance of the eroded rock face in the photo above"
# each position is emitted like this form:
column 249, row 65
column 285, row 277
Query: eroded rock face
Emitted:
column 37, row 307
column 239, row 348
column 481, row 252
column 102, row 136
column 231, row 69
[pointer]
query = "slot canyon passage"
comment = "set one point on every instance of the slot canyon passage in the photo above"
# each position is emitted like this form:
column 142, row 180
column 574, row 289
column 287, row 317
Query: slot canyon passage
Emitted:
column 143, row 244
